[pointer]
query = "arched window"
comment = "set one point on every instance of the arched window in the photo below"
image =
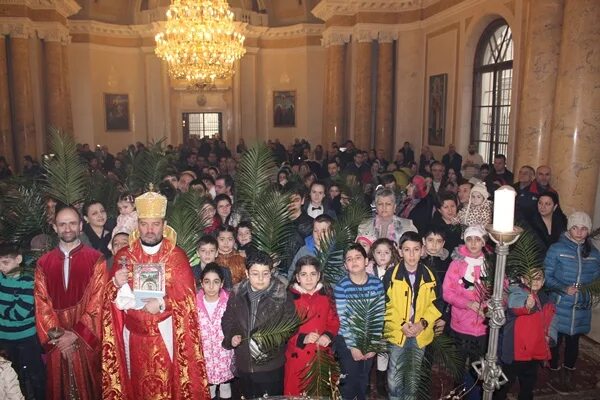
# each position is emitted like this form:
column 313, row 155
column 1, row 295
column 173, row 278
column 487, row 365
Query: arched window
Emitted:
column 492, row 86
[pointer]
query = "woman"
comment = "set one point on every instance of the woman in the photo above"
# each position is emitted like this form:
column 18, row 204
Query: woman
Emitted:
column 548, row 221
column 224, row 210
column 97, row 229
column 571, row 263
column 445, row 218
column 417, row 206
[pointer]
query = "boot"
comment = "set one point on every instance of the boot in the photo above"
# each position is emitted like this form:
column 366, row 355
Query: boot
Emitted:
column 557, row 381
column 569, row 378
column 382, row 384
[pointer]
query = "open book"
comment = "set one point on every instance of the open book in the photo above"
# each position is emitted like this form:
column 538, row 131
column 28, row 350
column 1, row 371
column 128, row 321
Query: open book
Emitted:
column 148, row 282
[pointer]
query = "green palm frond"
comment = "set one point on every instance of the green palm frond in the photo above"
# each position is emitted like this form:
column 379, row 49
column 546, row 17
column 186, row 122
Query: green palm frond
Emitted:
column 105, row 190
column 253, row 177
column 183, row 215
column 23, row 215
column 66, row 173
column 321, row 375
column 147, row 167
column 525, row 256
column 589, row 295
column 594, row 234
column 274, row 334
column 365, row 322
column 271, row 223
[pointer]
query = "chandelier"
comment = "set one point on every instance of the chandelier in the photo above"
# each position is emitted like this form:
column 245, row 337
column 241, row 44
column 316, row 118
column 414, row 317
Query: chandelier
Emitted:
column 199, row 41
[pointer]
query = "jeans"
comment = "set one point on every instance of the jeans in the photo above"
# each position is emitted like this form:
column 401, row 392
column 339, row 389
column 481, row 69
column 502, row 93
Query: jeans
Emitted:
column 526, row 373
column 403, row 377
column 571, row 351
column 355, row 379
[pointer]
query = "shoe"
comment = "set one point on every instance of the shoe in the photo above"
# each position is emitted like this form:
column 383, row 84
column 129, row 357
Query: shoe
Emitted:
column 569, row 378
column 557, row 381
column 382, row 384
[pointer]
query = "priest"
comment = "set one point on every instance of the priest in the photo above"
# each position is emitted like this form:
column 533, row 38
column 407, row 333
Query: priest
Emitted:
column 68, row 292
column 151, row 341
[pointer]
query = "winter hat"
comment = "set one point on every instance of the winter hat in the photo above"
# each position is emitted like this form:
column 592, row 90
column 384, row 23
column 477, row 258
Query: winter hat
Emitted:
column 481, row 189
column 420, row 186
column 364, row 239
column 579, row 218
column 475, row 230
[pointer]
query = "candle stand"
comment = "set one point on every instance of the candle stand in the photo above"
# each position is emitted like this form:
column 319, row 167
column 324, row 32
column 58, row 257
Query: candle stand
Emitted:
column 488, row 370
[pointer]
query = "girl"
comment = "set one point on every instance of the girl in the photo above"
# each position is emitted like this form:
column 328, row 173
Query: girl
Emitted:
column 478, row 210
column 228, row 256
column 570, row 263
column 128, row 217
column 383, row 255
column 212, row 302
column 314, row 303
column 460, row 290
column 224, row 210
column 358, row 286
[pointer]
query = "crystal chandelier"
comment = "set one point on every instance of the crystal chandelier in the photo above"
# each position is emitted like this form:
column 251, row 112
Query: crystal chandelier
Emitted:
column 199, row 41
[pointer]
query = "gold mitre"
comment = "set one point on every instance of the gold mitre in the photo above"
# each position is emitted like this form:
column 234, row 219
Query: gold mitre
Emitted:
column 151, row 205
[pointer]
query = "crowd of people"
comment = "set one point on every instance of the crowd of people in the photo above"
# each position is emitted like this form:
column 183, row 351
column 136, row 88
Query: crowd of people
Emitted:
column 116, row 311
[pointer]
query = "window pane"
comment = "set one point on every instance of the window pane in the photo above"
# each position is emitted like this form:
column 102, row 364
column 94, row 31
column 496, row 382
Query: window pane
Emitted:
column 204, row 124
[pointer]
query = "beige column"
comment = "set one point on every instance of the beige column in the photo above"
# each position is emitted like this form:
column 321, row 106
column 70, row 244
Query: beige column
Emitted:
column 54, row 82
column 542, row 49
column 362, row 90
column 24, row 125
column 66, row 81
column 334, row 117
column 385, row 77
column 6, row 139
column 574, row 152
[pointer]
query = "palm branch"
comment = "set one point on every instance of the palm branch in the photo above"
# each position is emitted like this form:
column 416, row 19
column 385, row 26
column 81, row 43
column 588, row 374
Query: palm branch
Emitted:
column 149, row 166
column 253, row 177
column 105, row 190
column 321, row 374
column 23, row 215
column 590, row 294
column 365, row 322
column 524, row 257
column 273, row 334
column 183, row 215
column 66, row 173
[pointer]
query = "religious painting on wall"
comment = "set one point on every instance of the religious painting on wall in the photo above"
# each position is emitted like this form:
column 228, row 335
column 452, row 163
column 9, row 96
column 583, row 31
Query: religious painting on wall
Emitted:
column 284, row 109
column 437, row 110
column 116, row 107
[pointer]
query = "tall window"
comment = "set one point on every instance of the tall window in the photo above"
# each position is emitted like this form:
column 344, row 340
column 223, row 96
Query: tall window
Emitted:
column 199, row 125
column 492, row 86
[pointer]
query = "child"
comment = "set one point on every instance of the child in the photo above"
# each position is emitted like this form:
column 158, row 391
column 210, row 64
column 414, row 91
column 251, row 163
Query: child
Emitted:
column 18, row 335
column 252, row 304
column 315, row 304
column 528, row 330
column 460, row 290
column 357, row 285
column 228, row 257
column 212, row 301
column 128, row 217
column 9, row 382
column 479, row 209
column 437, row 258
column 383, row 255
column 207, row 252
column 410, row 314
column 244, row 238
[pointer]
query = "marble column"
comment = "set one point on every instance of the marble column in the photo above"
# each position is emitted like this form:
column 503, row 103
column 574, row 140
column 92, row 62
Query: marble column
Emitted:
column 363, row 90
column 542, row 49
column 66, row 81
column 6, row 139
column 334, row 117
column 54, row 79
column 24, row 124
column 574, row 155
column 384, row 138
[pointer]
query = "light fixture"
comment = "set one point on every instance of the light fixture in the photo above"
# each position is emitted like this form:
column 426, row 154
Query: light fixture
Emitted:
column 200, row 42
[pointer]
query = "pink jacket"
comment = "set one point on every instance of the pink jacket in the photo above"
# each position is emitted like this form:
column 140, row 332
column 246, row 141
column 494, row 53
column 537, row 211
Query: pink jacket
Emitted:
column 463, row 319
column 218, row 360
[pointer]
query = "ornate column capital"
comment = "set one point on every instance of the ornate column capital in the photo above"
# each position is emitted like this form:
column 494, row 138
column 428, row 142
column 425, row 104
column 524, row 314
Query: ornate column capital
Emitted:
column 364, row 35
column 54, row 34
column 17, row 29
column 387, row 36
column 335, row 37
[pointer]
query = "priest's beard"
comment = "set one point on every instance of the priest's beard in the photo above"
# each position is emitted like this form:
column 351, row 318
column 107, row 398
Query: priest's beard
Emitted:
column 151, row 244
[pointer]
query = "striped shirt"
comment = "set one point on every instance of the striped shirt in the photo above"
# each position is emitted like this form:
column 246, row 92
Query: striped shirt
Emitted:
column 17, row 315
column 346, row 289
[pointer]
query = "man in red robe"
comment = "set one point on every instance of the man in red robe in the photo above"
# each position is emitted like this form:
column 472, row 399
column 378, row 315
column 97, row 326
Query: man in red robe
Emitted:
column 151, row 342
column 69, row 287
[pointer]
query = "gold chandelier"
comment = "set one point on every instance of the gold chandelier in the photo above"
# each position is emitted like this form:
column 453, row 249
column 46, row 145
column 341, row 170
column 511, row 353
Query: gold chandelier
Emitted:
column 200, row 42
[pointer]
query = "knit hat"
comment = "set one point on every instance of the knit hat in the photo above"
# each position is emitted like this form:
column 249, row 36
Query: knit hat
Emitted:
column 420, row 186
column 579, row 218
column 475, row 230
column 481, row 189
column 364, row 239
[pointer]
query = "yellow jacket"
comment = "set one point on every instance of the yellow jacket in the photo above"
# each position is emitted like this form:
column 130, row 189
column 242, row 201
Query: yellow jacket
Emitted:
column 399, row 297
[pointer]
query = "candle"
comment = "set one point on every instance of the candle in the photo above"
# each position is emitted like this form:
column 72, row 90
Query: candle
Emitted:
column 504, row 209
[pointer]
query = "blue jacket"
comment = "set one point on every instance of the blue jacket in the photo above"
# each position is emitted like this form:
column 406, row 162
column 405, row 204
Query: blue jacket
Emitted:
column 564, row 266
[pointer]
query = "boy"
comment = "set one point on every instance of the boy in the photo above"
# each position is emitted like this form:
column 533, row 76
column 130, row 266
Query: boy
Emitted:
column 321, row 228
column 317, row 204
column 253, row 303
column 244, row 238
column 410, row 314
column 207, row 252
column 437, row 258
column 529, row 329
column 17, row 325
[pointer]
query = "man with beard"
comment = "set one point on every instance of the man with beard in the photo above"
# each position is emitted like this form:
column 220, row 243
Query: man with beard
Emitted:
column 151, row 344
column 69, row 286
column 471, row 162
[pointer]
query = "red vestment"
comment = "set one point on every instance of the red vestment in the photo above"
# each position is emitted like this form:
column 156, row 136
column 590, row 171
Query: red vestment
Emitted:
column 75, row 308
column 153, row 375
